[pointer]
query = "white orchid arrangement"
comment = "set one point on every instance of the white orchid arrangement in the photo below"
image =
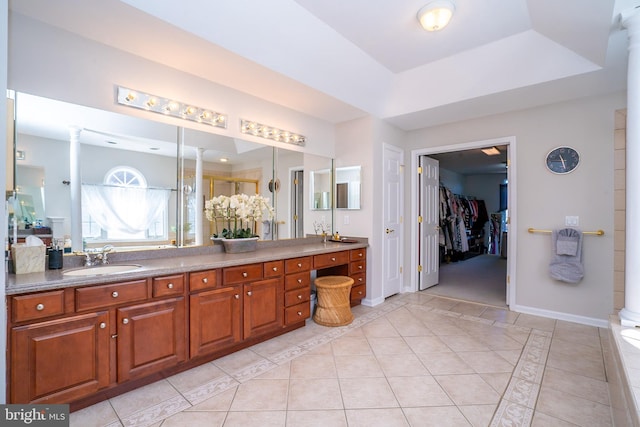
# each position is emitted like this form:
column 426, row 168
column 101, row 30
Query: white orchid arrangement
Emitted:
column 239, row 212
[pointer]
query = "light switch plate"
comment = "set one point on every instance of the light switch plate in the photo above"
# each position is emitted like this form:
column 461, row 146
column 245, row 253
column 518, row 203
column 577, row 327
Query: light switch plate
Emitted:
column 571, row 221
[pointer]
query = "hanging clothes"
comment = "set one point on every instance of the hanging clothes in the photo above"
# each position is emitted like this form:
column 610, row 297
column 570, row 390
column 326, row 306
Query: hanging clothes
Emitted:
column 460, row 216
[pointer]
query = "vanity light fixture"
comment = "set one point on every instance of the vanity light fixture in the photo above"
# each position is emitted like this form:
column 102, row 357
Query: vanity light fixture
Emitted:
column 491, row 151
column 269, row 132
column 435, row 15
column 169, row 107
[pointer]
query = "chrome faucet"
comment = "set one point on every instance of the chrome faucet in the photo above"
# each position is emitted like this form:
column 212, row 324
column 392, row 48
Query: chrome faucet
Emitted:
column 97, row 256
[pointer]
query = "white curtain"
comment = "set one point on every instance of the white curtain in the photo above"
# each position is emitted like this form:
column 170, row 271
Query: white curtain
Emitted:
column 124, row 209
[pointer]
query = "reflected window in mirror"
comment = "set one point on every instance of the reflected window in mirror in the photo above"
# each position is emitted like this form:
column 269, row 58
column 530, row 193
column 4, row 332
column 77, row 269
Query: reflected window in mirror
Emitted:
column 124, row 208
column 347, row 188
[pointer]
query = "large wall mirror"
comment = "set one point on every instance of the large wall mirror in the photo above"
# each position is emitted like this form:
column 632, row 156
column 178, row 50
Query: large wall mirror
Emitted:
column 140, row 186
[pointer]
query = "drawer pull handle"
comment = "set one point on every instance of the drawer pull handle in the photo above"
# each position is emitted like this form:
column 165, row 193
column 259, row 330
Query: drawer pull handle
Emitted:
column 249, row 293
column 170, row 286
column 360, row 279
column 360, row 267
column 125, row 321
column 333, row 258
column 40, row 307
column 103, row 325
column 275, row 268
column 245, row 274
column 299, row 280
column 359, row 292
column 114, row 294
column 299, row 313
column 360, row 254
column 205, row 280
column 299, row 296
column 299, row 265
column 236, row 296
column 114, row 336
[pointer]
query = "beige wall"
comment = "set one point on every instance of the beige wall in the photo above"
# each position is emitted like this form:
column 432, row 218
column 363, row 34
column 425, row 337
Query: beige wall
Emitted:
column 544, row 199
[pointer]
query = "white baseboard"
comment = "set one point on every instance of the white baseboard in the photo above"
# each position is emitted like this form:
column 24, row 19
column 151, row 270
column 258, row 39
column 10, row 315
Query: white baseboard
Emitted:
column 372, row 302
column 591, row 321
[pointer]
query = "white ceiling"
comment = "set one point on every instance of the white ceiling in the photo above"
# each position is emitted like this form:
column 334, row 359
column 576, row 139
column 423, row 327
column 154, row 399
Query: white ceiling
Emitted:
column 342, row 59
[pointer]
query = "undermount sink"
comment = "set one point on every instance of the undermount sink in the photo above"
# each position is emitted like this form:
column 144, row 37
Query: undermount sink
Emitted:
column 102, row 269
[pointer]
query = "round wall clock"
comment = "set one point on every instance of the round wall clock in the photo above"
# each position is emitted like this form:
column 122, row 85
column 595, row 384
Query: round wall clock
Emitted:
column 562, row 160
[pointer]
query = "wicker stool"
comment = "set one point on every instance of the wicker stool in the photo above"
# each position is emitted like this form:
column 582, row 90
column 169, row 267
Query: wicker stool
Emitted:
column 334, row 301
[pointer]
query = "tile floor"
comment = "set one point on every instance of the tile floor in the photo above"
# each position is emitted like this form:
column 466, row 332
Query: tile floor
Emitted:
column 415, row 360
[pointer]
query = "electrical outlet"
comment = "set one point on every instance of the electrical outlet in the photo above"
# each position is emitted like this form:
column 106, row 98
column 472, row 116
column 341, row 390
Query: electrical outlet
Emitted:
column 571, row 221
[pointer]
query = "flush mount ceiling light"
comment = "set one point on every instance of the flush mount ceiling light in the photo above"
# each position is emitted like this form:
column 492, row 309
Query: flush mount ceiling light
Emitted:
column 269, row 132
column 491, row 151
column 169, row 107
column 436, row 15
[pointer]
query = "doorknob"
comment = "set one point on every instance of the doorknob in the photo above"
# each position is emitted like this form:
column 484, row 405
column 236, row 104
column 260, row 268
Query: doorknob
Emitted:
column 389, row 230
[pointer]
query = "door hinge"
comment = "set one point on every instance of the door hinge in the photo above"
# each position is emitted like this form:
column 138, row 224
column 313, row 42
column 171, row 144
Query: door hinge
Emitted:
column 295, row 217
column 419, row 269
column 508, row 279
column 420, row 219
column 400, row 269
column 419, row 170
column 401, row 220
column 295, row 181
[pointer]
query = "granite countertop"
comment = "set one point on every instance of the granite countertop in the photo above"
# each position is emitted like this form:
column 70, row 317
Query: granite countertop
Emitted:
column 172, row 261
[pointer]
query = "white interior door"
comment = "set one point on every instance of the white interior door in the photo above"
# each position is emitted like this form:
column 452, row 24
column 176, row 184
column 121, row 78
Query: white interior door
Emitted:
column 429, row 227
column 392, row 211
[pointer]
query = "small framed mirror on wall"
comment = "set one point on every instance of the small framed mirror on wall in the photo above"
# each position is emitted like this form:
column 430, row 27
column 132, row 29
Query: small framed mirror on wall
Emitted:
column 347, row 189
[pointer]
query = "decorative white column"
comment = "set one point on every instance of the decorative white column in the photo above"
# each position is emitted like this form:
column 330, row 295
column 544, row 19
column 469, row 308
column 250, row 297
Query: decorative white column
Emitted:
column 75, row 178
column 199, row 216
column 630, row 314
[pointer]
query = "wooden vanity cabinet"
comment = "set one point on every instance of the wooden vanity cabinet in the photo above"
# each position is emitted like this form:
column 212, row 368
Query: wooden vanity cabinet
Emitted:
column 297, row 290
column 358, row 272
column 262, row 288
column 215, row 316
column 106, row 334
column 59, row 361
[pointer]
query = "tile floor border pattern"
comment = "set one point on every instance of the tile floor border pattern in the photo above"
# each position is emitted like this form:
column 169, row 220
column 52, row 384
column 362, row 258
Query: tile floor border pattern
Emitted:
column 159, row 412
column 516, row 406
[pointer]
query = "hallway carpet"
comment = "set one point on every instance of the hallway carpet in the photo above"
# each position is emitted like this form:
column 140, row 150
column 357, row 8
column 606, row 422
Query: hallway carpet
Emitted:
column 478, row 279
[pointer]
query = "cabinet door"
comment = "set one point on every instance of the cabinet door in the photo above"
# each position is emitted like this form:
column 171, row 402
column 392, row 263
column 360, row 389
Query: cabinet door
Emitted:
column 263, row 307
column 215, row 320
column 151, row 337
column 61, row 360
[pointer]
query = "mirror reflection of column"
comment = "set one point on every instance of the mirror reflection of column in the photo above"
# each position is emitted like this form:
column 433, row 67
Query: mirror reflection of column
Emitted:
column 199, row 202
column 75, row 178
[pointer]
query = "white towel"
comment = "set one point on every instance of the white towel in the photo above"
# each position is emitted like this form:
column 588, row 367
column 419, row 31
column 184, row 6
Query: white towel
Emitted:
column 566, row 255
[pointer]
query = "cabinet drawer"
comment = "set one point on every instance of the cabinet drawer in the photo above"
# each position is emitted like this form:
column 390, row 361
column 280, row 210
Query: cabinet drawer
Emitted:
column 359, row 279
column 357, row 267
column 294, row 281
column 108, row 295
column 168, row 285
column 329, row 260
column 241, row 274
column 207, row 279
column 297, row 313
column 37, row 306
column 356, row 254
column 358, row 292
column 297, row 296
column 297, row 264
column 273, row 269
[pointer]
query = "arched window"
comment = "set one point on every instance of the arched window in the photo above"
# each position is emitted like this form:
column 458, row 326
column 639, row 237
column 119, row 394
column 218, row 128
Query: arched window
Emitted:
column 124, row 208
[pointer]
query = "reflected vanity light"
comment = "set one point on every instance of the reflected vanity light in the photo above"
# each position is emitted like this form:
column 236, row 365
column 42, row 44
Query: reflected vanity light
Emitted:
column 269, row 132
column 169, row 107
